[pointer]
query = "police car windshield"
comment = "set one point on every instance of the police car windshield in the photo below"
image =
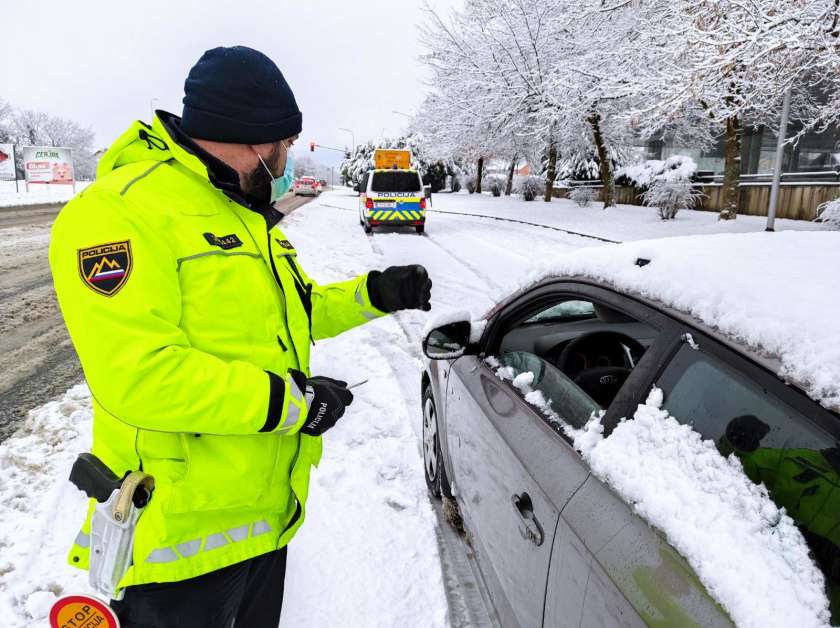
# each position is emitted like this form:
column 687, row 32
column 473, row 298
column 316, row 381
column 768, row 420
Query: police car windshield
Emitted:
column 395, row 181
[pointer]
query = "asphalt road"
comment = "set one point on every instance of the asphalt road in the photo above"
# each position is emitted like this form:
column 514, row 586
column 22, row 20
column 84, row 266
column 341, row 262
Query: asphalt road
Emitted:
column 37, row 359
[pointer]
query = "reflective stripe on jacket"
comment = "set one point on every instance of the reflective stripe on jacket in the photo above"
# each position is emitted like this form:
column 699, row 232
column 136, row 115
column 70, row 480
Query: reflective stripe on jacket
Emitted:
column 187, row 314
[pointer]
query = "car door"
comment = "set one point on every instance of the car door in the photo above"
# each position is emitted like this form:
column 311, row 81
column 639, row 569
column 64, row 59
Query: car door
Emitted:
column 512, row 474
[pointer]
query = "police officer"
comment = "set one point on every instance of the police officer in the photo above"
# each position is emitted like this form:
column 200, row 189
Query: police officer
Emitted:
column 193, row 321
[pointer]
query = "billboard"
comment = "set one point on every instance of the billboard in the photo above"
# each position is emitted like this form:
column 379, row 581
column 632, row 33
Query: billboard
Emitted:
column 7, row 162
column 48, row 164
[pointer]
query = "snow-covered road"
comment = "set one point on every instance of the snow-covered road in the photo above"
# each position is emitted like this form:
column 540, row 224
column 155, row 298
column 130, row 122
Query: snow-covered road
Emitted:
column 369, row 552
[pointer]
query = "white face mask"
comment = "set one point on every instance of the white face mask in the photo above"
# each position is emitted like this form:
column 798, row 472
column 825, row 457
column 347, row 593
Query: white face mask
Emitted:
column 280, row 185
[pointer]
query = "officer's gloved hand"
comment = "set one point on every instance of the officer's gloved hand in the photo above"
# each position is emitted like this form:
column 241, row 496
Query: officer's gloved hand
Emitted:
column 400, row 288
column 327, row 399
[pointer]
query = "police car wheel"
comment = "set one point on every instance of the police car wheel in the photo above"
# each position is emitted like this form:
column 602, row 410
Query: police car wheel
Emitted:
column 368, row 228
column 420, row 229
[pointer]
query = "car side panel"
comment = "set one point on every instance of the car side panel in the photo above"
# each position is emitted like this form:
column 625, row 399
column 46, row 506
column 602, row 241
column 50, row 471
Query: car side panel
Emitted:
column 636, row 575
column 567, row 579
column 499, row 448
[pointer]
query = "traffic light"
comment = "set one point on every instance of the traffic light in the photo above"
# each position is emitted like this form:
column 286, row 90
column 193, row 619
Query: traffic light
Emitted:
column 311, row 147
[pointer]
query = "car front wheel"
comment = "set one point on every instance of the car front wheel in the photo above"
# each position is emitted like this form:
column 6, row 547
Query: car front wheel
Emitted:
column 436, row 478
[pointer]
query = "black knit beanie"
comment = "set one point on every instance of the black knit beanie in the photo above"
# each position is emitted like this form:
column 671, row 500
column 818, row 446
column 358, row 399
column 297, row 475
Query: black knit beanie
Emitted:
column 238, row 95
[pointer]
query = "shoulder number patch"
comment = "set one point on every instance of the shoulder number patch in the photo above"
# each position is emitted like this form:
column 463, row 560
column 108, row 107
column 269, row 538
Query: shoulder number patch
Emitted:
column 223, row 242
column 105, row 268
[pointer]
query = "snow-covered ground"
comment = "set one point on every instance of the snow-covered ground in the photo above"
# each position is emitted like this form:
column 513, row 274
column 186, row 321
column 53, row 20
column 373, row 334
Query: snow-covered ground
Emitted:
column 368, row 554
column 621, row 223
column 38, row 194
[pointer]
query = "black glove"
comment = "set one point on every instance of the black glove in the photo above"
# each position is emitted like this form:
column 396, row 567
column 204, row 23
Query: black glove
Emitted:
column 400, row 288
column 327, row 399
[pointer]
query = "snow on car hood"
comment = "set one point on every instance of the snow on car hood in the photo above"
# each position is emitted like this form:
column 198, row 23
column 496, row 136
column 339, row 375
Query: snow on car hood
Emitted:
column 778, row 293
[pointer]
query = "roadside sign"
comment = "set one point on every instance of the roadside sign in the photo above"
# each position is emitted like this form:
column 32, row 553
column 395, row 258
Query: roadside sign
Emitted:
column 384, row 158
column 7, row 162
column 48, row 165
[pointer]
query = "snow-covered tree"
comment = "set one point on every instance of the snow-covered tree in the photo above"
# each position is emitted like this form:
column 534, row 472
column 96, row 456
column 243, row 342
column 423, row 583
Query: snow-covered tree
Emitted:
column 731, row 62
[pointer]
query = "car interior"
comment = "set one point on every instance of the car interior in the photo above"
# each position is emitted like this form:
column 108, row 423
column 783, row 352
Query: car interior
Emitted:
column 580, row 353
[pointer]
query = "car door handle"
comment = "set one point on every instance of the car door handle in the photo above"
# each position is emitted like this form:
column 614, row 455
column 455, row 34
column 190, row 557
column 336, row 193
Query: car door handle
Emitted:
column 529, row 528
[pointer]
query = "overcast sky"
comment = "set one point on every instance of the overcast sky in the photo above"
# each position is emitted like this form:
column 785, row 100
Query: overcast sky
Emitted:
column 350, row 64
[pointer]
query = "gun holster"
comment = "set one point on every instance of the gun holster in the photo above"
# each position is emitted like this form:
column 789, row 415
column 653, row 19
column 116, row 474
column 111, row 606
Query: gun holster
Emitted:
column 120, row 504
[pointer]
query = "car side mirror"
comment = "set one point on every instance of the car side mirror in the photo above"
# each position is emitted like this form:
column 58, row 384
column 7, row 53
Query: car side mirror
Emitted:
column 427, row 191
column 448, row 342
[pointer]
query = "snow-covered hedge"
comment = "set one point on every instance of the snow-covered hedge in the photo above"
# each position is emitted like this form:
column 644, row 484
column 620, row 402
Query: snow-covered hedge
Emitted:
column 829, row 214
column 530, row 187
column 675, row 169
column 669, row 197
column 494, row 183
column 582, row 195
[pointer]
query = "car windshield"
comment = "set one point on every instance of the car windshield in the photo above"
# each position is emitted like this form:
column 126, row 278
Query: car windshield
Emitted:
column 395, row 181
column 567, row 309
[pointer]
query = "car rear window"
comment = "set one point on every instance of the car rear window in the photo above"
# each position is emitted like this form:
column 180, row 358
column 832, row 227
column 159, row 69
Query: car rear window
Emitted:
column 395, row 182
column 777, row 445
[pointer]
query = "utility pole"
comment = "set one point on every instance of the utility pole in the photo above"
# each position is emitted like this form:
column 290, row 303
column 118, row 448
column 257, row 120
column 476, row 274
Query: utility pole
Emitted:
column 777, row 170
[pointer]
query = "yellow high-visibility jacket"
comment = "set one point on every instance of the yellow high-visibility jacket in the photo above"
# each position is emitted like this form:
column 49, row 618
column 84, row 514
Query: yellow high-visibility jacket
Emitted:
column 187, row 313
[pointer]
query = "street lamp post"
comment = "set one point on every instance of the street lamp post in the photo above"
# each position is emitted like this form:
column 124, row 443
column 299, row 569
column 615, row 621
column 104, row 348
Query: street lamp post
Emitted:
column 777, row 170
column 352, row 137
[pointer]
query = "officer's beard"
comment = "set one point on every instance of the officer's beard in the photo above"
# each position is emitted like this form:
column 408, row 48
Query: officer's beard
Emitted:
column 256, row 185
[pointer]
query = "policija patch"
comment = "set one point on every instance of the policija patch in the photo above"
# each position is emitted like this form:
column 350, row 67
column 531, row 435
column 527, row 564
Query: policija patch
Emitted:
column 105, row 268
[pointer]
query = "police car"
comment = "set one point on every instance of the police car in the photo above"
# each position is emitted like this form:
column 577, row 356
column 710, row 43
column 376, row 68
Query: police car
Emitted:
column 392, row 193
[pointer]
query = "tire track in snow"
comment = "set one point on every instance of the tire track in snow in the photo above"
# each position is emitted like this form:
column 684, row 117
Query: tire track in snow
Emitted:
column 468, row 265
column 525, row 222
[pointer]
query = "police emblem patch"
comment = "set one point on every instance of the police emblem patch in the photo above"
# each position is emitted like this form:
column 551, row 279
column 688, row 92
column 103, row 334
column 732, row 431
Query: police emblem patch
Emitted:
column 105, row 268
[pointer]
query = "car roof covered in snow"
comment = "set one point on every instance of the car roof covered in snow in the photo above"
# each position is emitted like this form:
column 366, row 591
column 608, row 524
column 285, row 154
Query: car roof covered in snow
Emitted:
column 775, row 295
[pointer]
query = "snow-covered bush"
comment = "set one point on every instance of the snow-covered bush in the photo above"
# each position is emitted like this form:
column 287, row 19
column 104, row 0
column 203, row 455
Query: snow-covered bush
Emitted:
column 454, row 184
column 675, row 169
column 531, row 186
column 670, row 197
column 495, row 183
column 470, row 183
column 829, row 214
column 582, row 195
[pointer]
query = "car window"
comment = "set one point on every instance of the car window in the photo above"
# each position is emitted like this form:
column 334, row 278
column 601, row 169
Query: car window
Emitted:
column 395, row 181
column 563, row 396
column 567, row 309
column 777, row 445
column 596, row 347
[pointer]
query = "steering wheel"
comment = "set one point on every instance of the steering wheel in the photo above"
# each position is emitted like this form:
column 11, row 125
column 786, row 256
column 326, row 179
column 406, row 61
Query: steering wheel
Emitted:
column 603, row 375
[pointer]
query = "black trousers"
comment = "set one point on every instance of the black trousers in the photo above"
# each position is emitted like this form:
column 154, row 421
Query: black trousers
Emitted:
column 250, row 592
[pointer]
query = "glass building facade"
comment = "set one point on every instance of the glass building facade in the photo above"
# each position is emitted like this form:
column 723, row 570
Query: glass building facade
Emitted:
column 817, row 154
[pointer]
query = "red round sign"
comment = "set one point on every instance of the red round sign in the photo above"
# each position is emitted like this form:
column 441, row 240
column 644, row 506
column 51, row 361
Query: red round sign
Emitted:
column 82, row 611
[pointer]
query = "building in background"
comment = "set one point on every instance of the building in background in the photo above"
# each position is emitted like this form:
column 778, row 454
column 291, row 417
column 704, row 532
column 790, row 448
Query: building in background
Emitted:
column 815, row 157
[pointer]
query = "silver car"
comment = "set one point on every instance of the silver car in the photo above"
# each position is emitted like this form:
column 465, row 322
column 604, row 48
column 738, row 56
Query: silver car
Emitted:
column 555, row 545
